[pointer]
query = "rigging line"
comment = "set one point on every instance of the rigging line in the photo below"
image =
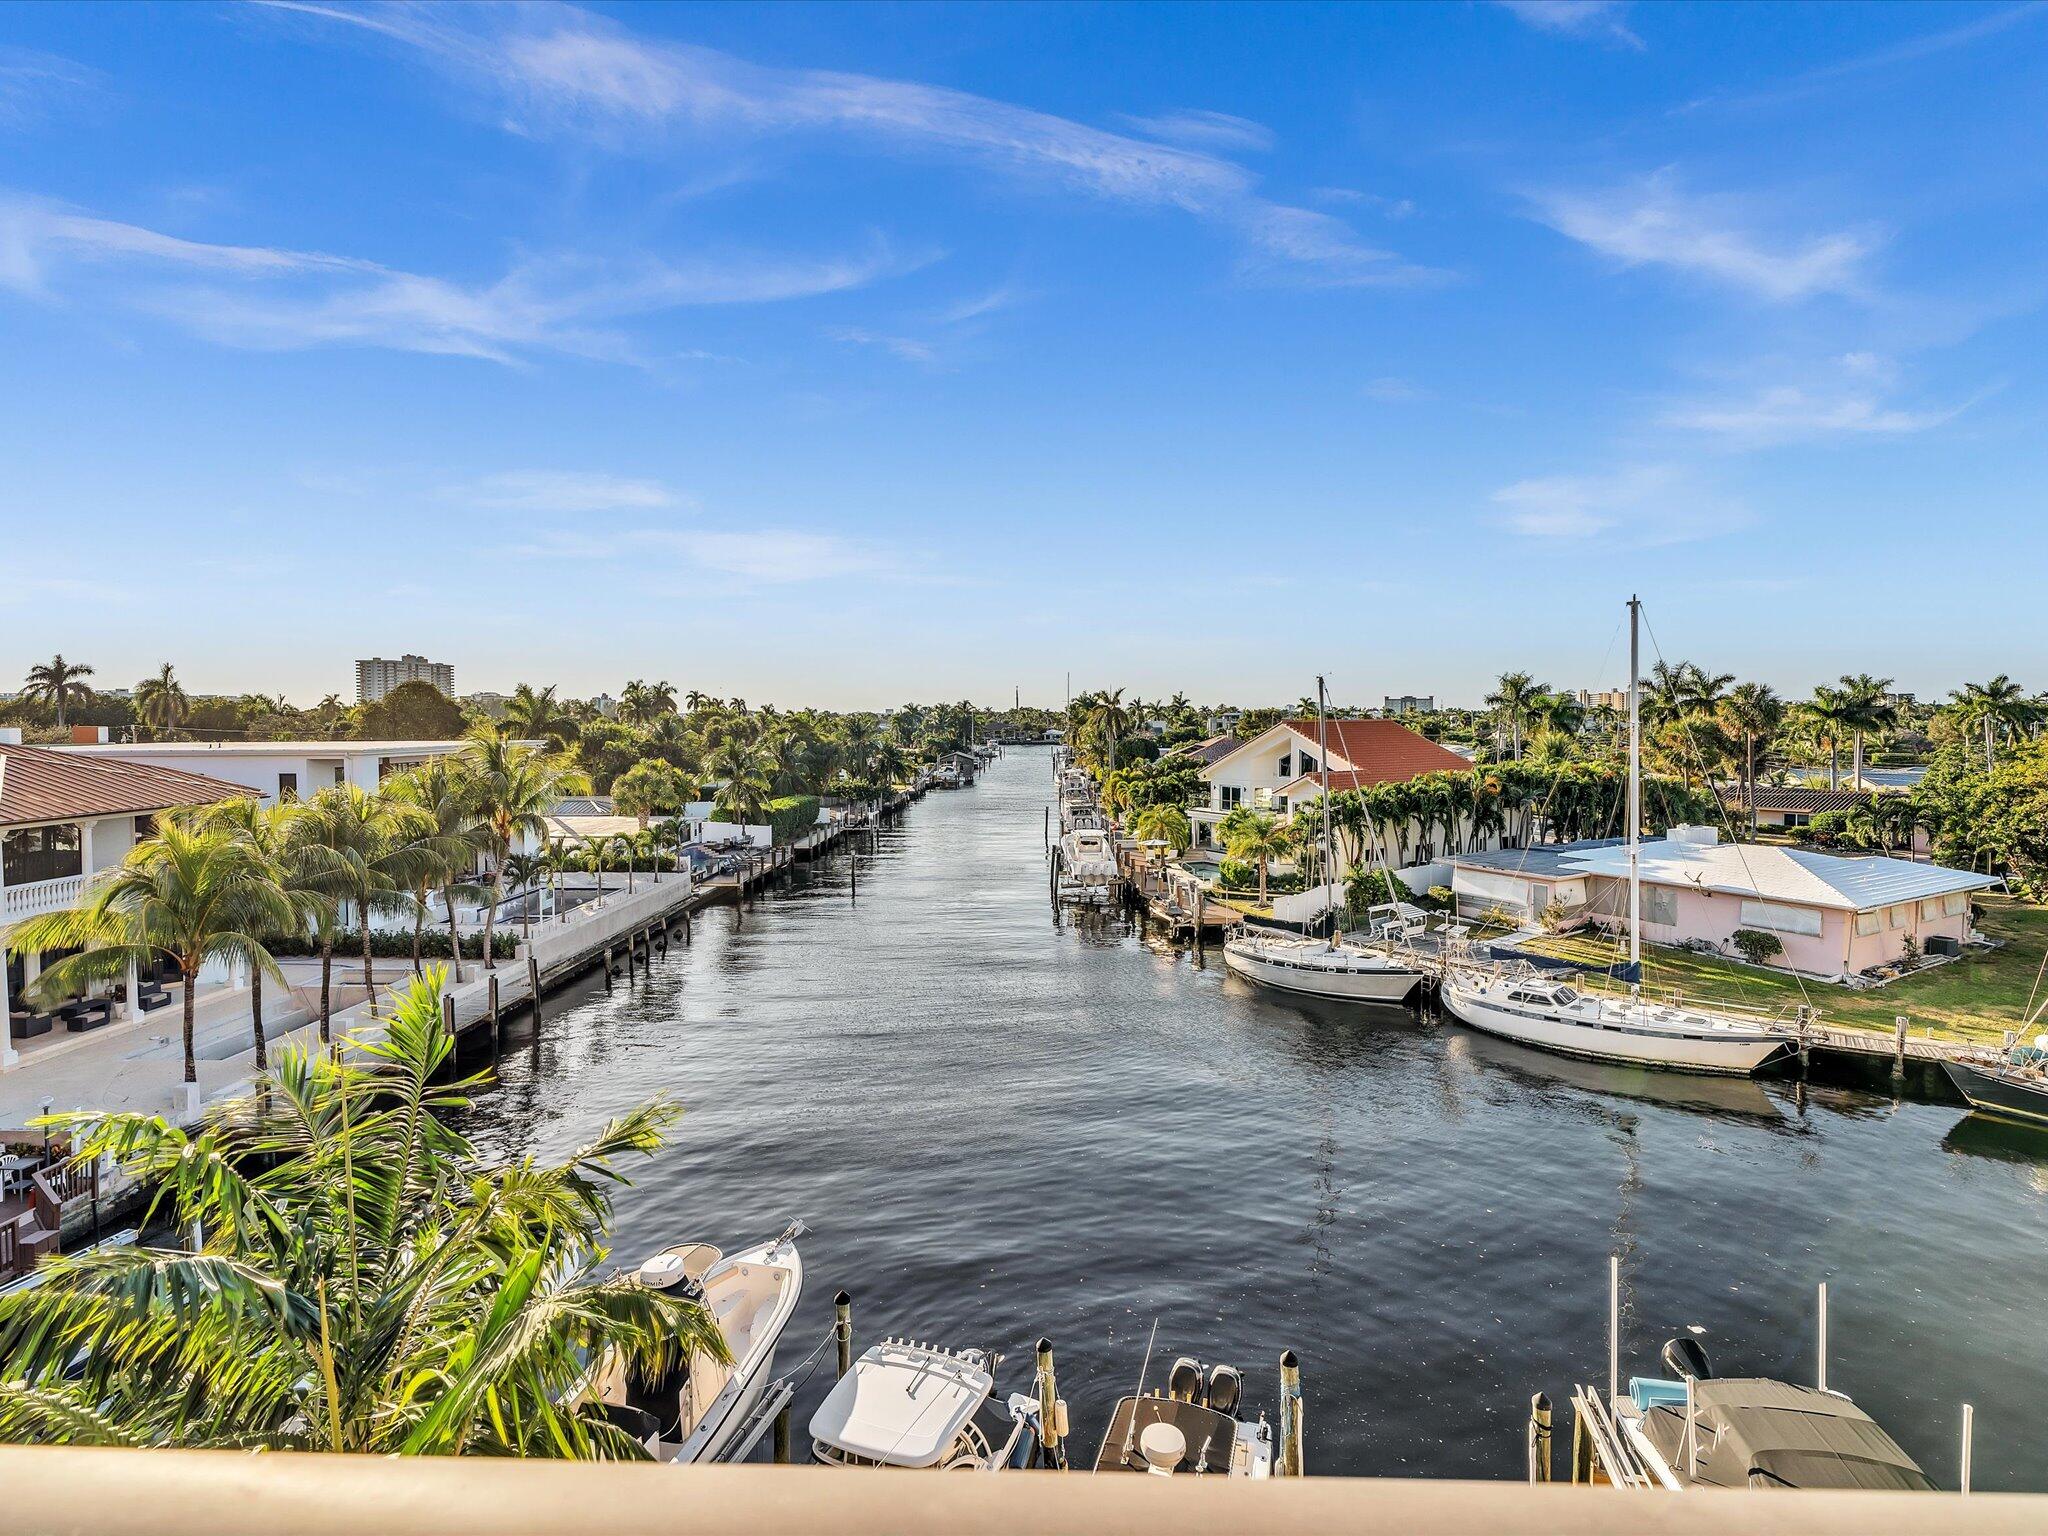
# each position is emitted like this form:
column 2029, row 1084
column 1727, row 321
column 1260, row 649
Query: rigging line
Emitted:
column 2034, row 990
column 1741, row 855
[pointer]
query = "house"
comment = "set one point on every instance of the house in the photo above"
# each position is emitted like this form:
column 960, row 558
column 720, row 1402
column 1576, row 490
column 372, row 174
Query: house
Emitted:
column 1794, row 807
column 1836, row 917
column 1279, row 768
column 277, row 770
column 63, row 817
column 1206, row 751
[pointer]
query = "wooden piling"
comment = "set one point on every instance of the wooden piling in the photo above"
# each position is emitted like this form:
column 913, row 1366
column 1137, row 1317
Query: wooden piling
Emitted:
column 842, row 1329
column 1899, row 1046
column 1539, row 1438
column 533, row 988
column 448, row 1013
column 607, row 967
column 1291, row 1459
column 491, row 991
column 782, row 1435
column 1582, row 1448
column 1048, row 1403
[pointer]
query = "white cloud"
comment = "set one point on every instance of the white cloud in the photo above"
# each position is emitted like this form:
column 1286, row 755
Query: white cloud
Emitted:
column 560, row 69
column 569, row 491
column 1653, row 222
column 34, row 84
column 286, row 299
column 905, row 347
column 1202, row 128
column 1576, row 18
column 1392, row 390
column 1005, row 297
column 1788, row 413
column 1642, row 505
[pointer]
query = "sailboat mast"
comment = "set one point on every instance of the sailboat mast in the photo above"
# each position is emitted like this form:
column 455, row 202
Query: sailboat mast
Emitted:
column 1635, row 792
column 1323, row 763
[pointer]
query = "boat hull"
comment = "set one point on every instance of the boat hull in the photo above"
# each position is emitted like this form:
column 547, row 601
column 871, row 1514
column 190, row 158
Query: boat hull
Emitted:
column 1391, row 986
column 2008, row 1098
column 736, row 1401
column 1739, row 1055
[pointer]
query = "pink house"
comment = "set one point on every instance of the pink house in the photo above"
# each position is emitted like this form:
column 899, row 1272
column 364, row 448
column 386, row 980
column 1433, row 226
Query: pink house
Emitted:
column 1835, row 917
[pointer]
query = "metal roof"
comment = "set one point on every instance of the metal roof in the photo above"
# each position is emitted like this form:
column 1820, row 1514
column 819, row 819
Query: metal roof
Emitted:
column 38, row 784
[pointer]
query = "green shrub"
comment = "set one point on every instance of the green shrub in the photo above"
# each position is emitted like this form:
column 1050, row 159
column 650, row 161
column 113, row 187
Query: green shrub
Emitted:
column 391, row 944
column 1755, row 945
column 792, row 816
column 1235, row 874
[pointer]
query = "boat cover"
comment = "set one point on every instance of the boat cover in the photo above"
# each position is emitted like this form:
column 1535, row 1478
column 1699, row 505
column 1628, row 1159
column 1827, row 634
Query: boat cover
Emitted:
column 1760, row 1433
column 901, row 1404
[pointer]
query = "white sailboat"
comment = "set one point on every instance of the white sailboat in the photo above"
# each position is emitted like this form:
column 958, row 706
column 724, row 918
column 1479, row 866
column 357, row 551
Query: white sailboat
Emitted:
column 1517, row 1003
column 1320, row 967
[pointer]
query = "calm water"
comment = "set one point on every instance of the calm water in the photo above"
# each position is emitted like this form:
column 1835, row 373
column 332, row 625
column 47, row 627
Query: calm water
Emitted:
column 1000, row 1127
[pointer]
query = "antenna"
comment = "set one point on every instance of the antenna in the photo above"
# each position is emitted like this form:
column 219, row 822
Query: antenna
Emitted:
column 1131, row 1429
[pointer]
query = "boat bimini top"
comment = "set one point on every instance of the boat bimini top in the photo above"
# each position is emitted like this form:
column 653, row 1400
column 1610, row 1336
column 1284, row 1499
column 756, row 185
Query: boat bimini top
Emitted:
column 908, row 1404
column 1757, row 1433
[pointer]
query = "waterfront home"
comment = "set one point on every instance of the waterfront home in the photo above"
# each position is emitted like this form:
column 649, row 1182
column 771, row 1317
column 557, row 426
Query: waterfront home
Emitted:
column 1835, row 917
column 277, row 770
column 63, row 817
column 1279, row 769
column 1205, row 751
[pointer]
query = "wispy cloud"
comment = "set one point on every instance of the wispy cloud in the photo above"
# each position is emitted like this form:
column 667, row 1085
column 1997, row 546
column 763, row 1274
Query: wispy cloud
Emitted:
column 1217, row 130
column 905, row 347
column 1007, row 296
column 1788, row 413
column 1642, row 505
column 1655, row 222
column 534, row 490
column 285, row 299
column 1386, row 207
column 770, row 556
column 34, row 85
column 1597, row 19
column 1392, row 391
column 557, row 69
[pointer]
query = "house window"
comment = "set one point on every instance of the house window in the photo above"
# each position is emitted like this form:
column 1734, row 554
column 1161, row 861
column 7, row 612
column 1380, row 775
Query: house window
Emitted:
column 1777, row 918
column 1232, row 795
column 1931, row 908
column 1280, row 804
column 40, row 853
column 287, row 788
column 1660, row 906
column 1287, row 765
column 340, row 774
column 1797, row 819
column 1308, row 763
column 1866, row 924
column 1954, row 904
column 1897, row 916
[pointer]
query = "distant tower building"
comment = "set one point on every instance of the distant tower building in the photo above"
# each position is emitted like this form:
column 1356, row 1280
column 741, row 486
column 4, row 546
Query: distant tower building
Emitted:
column 1409, row 704
column 377, row 676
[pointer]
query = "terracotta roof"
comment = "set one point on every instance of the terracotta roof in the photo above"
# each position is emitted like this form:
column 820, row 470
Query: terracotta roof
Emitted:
column 1380, row 752
column 40, row 785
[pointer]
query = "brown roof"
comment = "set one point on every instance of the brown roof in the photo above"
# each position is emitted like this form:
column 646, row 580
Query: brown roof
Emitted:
column 1380, row 752
column 40, row 785
column 1774, row 798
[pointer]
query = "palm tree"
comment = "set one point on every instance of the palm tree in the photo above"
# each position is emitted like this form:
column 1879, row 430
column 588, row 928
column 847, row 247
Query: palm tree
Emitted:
column 368, row 1282
column 443, row 795
column 1106, row 722
column 1511, row 698
column 1259, row 838
column 1827, row 715
column 513, row 789
column 642, row 703
column 268, row 836
column 537, row 715
column 1999, row 707
column 56, row 683
column 746, row 767
column 188, row 894
column 160, row 700
column 371, row 851
column 522, row 870
column 1163, row 824
column 1754, row 712
column 595, row 851
column 1869, row 709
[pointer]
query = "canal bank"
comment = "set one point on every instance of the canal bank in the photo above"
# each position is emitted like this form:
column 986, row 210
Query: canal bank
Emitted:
column 1000, row 1128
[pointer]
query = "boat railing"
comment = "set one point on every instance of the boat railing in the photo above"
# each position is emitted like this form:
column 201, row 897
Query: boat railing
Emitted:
column 1601, row 1446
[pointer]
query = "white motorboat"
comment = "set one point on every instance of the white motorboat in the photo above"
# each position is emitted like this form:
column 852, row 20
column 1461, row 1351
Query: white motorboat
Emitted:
column 1517, row 1003
column 1085, row 862
column 906, row 1404
column 1320, row 968
column 1192, row 1428
column 697, row 1409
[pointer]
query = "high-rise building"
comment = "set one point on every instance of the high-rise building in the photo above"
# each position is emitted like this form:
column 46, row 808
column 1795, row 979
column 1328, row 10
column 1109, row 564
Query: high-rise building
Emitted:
column 377, row 676
column 1408, row 704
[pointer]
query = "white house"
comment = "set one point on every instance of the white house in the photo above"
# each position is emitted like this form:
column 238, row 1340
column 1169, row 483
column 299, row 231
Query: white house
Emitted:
column 1279, row 768
column 277, row 770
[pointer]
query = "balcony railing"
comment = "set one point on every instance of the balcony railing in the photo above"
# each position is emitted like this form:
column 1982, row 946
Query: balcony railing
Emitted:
column 38, row 896
column 226, row 1493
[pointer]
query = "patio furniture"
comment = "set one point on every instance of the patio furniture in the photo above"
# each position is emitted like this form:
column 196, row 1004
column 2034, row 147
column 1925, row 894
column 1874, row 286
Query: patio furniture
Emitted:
column 17, row 1170
column 86, row 1014
column 23, row 1025
column 148, row 997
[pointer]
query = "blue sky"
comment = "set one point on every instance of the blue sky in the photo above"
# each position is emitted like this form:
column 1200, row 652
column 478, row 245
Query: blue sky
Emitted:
column 847, row 355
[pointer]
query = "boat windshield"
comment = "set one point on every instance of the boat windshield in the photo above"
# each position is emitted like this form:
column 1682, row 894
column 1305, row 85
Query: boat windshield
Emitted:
column 1566, row 996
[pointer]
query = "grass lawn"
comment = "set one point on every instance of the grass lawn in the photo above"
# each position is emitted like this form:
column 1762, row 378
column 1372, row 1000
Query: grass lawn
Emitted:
column 1977, row 997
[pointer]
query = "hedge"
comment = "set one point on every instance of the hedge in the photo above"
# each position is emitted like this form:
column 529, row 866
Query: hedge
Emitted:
column 395, row 944
column 792, row 816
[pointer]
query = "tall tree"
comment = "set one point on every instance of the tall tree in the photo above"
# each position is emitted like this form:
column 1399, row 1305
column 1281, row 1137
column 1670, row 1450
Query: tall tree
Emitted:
column 1753, row 712
column 442, row 793
column 1998, row 707
column 371, row 851
column 1829, row 714
column 59, row 684
column 514, row 788
column 160, row 701
column 1259, row 839
column 1511, row 699
column 367, row 1282
column 1869, row 708
column 267, row 834
column 535, row 714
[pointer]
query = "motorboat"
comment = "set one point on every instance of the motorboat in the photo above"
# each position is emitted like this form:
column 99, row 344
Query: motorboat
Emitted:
column 910, row 1404
column 1085, row 863
column 1691, row 1429
column 1320, row 968
column 1193, row 1427
column 2011, row 1084
column 1518, row 1003
column 696, row 1410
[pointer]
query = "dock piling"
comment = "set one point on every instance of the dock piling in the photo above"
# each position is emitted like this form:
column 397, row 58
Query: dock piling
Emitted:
column 1821, row 1374
column 782, row 1436
column 1613, row 1327
column 1539, row 1438
column 1899, row 1046
column 842, row 1329
column 1290, row 1415
column 607, row 967
column 1048, row 1404
column 448, row 1013
column 491, row 991
column 1969, row 1434
column 533, row 988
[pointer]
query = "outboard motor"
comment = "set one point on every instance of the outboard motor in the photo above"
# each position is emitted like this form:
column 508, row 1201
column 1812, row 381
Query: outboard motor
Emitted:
column 1184, row 1381
column 1684, row 1357
column 1226, row 1387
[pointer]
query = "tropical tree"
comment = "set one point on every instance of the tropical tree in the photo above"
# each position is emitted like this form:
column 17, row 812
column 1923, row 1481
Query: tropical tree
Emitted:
column 58, row 683
column 1106, row 722
column 1163, row 824
column 370, row 851
column 1999, row 707
column 746, row 768
column 535, row 714
column 1827, row 716
column 1753, row 712
column 643, row 703
column 1512, row 698
column 160, row 701
column 512, row 790
column 367, row 1281
column 1258, row 839
column 1869, row 708
column 440, row 790
column 188, row 894
column 650, row 787
column 522, row 872
column 267, row 834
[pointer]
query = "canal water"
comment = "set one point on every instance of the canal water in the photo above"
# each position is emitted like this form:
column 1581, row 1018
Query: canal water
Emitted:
column 1000, row 1126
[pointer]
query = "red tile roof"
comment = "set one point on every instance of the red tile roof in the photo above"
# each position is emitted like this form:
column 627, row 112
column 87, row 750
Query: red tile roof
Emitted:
column 40, row 785
column 1380, row 752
